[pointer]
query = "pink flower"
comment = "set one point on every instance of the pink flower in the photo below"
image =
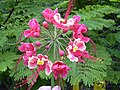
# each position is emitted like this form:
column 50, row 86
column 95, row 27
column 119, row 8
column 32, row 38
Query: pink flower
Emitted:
column 34, row 30
column 76, row 19
column 62, row 23
column 32, row 62
column 27, row 47
column 76, row 51
column 44, row 63
column 48, row 14
column 29, row 51
column 60, row 69
column 78, row 29
column 49, row 88
column 40, row 62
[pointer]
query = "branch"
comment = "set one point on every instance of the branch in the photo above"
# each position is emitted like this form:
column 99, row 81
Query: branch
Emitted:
column 16, row 3
column 8, row 16
column 70, row 6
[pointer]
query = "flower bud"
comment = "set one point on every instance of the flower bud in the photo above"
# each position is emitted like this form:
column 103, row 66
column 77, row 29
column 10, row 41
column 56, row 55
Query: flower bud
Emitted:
column 61, row 53
column 37, row 43
column 65, row 30
column 45, row 25
column 47, row 47
column 36, row 35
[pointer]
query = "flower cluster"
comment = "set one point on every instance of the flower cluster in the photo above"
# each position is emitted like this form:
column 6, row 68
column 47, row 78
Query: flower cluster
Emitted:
column 75, row 51
column 38, row 61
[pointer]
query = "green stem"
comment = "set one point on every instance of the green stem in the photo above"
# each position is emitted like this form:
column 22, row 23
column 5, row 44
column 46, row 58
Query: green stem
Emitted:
column 55, row 32
column 49, row 48
column 50, row 33
column 62, row 84
column 52, row 81
column 54, row 51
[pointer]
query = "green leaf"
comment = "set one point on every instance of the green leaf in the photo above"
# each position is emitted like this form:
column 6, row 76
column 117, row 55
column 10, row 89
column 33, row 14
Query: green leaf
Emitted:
column 111, row 39
column 93, row 16
column 114, row 52
column 90, row 71
column 7, row 60
column 117, row 36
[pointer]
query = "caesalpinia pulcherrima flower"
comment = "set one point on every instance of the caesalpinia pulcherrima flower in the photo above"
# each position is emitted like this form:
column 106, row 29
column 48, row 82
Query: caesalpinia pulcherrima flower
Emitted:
column 28, row 49
column 48, row 14
column 78, row 30
column 60, row 69
column 34, row 30
column 40, row 61
column 76, row 51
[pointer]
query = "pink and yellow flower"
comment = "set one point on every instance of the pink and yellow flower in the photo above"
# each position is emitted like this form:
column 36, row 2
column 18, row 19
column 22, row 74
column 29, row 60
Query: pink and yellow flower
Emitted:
column 44, row 63
column 40, row 61
column 75, row 50
column 64, row 24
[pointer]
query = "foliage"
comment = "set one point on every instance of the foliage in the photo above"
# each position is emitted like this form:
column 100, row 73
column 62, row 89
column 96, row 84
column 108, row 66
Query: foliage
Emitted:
column 105, row 32
column 7, row 60
column 92, row 71
column 93, row 16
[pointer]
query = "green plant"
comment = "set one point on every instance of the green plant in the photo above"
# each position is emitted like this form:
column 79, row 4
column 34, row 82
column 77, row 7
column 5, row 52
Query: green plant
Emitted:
column 104, row 29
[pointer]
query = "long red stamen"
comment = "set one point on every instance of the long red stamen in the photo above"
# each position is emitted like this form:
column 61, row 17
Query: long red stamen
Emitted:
column 33, row 77
column 94, row 46
column 18, row 61
column 20, row 37
column 70, row 6
column 21, row 84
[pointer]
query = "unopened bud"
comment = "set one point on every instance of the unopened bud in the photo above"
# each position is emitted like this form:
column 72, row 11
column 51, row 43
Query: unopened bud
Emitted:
column 65, row 30
column 61, row 53
column 45, row 25
column 36, row 35
column 47, row 47
column 37, row 43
